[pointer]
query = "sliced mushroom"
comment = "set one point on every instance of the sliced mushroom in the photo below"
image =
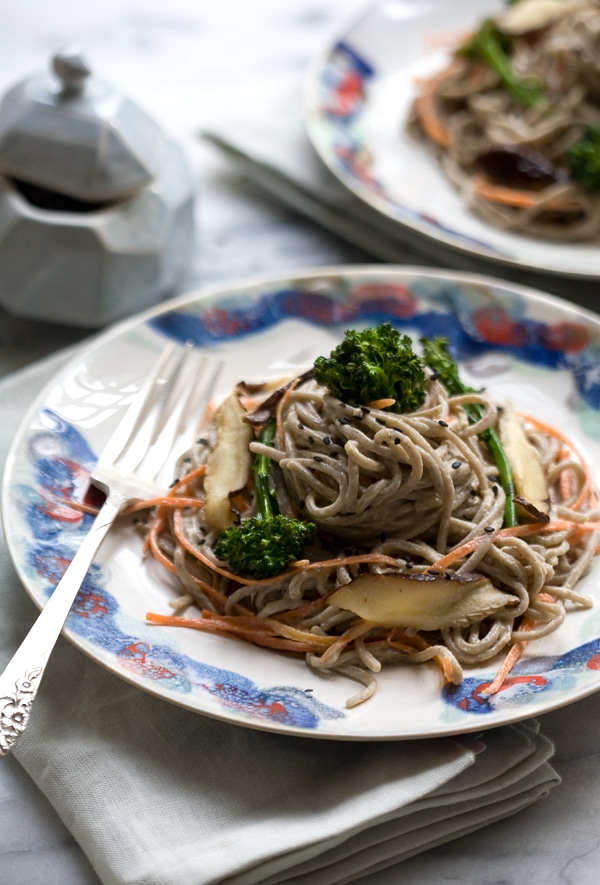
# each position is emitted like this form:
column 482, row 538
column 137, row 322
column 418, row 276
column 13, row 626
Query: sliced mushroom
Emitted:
column 228, row 465
column 423, row 600
column 533, row 497
column 530, row 15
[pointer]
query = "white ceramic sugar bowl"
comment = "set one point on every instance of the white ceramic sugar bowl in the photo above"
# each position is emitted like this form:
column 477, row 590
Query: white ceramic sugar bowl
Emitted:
column 96, row 204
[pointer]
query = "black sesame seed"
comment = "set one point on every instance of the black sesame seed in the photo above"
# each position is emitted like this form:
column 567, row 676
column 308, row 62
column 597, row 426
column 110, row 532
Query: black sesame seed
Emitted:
column 344, row 420
column 200, row 542
column 327, row 440
column 365, row 410
column 432, row 571
column 456, row 465
column 201, row 441
column 300, row 425
column 489, row 529
column 408, row 564
column 397, row 441
column 311, row 440
column 381, row 421
column 317, row 458
column 442, row 423
column 492, row 478
column 495, row 490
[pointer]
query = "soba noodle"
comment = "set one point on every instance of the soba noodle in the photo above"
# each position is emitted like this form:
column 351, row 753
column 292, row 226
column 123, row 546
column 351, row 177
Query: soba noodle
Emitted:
column 390, row 494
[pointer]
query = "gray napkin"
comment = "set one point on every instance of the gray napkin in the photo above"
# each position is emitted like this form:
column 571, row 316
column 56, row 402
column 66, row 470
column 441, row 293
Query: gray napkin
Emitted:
column 157, row 795
column 273, row 152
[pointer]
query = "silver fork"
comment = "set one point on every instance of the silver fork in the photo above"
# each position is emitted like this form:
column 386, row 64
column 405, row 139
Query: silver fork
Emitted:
column 151, row 434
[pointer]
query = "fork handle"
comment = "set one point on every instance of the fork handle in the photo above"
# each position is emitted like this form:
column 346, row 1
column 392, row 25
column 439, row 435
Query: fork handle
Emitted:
column 21, row 678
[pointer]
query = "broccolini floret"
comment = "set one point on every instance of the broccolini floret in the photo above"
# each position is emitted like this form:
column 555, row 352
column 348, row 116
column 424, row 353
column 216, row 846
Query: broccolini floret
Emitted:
column 437, row 356
column 263, row 545
column 489, row 44
column 583, row 159
column 375, row 364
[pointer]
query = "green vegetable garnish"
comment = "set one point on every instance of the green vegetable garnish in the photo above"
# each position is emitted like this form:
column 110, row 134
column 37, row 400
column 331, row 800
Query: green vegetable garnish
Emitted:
column 374, row 364
column 263, row 545
column 489, row 44
column 583, row 159
column 438, row 358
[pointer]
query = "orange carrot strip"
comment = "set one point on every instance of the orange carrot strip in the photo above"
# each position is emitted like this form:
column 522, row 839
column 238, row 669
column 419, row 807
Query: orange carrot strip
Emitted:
column 515, row 651
column 426, row 109
column 518, row 199
column 260, row 631
column 517, row 531
column 76, row 505
column 168, row 501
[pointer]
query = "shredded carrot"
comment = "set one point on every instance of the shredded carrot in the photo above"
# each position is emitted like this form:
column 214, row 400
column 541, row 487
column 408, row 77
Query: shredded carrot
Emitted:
column 76, row 505
column 517, row 531
column 518, row 199
column 515, row 652
column 433, row 126
column 260, row 631
column 164, row 501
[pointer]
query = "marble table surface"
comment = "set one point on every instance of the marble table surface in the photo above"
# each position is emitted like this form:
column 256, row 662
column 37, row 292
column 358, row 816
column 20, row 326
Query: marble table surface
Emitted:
column 189, row 62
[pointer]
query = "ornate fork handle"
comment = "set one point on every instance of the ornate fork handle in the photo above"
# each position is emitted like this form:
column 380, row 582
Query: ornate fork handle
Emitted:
column 21, row 679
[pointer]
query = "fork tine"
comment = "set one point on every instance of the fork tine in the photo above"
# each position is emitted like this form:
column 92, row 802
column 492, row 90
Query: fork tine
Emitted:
column 180, row 414
column 138, row 410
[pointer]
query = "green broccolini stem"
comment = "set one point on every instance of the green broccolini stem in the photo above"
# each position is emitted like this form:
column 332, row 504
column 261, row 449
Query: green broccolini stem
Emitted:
column 437, row 357
column 266, row 504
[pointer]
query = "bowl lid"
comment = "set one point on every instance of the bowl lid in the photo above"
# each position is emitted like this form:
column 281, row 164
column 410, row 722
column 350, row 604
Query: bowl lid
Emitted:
column 71, row 133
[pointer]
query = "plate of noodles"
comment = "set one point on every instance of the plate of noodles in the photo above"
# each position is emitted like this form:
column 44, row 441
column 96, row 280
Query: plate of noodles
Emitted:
column 474, row 123
column 399, row 586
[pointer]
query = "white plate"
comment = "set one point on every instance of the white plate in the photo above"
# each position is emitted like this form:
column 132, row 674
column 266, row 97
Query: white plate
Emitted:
column 358, row 92
column 537, row 350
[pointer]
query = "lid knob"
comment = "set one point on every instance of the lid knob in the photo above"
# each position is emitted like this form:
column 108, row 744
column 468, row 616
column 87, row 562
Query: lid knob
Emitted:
column 72, row 70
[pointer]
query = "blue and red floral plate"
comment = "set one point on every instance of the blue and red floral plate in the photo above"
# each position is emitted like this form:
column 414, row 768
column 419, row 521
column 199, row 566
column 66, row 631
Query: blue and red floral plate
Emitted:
column 541, row 353
column 359, row 90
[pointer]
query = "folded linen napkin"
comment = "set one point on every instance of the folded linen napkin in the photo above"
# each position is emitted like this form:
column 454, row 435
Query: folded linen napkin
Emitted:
column 272, row 151
column 158, row 795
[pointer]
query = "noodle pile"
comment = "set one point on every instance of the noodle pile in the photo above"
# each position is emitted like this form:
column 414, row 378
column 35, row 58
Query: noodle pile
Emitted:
column 466, row 111
column 390, row 494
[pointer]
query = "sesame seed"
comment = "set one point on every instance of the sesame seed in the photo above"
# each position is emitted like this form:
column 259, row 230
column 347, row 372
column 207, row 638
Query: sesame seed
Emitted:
column 311, row 440
column 442, row 423
column 201, row 441
column 344, row 420
column 327, row 440
column 317, row 458
column 300, row 425
column 495, row 490
column 489, row 529
column 456, row 465
column 397, row 441
column 432, row 571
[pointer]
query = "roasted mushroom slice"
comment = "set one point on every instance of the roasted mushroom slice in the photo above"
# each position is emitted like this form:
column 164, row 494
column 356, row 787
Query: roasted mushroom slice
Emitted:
column 423, row 600
column 533, row 497
column 228, row 465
